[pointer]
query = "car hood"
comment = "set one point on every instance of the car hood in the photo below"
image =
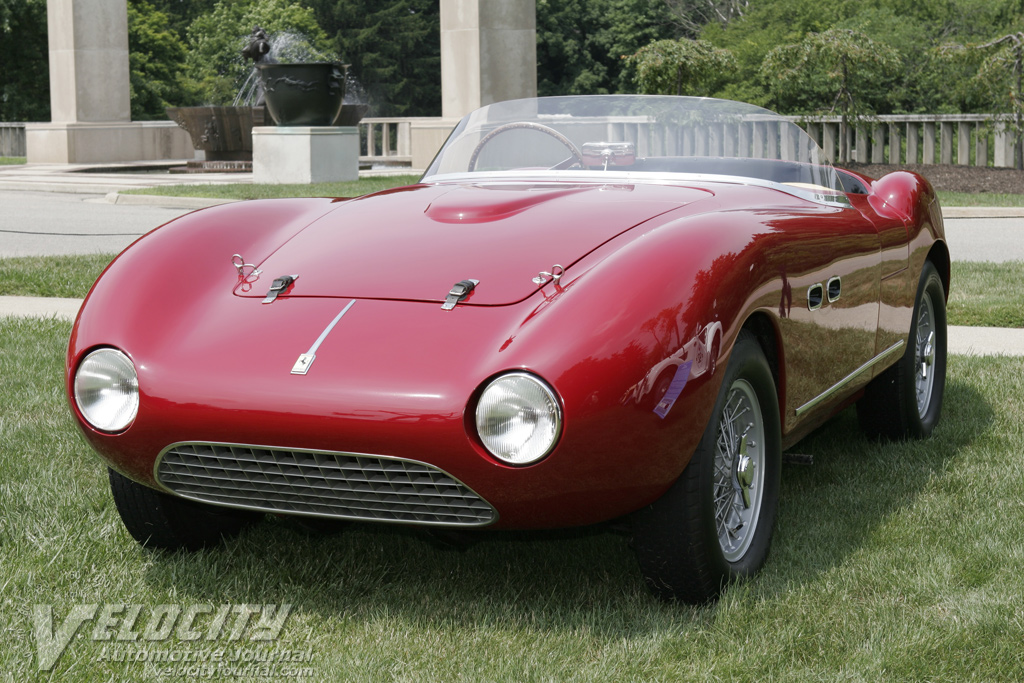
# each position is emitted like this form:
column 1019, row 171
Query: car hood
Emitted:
column 415, row 243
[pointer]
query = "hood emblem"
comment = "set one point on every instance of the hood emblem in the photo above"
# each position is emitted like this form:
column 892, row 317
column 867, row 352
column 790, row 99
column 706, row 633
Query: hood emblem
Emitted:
column 543, row 277
column 306, row 359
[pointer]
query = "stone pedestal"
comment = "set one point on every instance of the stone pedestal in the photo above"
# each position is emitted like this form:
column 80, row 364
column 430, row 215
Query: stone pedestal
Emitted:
column 488, row 53
column 87, row 143
column 305, row 154
column 427, row 135
column 89, row 92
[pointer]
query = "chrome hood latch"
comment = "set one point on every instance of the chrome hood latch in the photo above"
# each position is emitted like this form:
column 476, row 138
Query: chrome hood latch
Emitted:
column 278, row 287
column 460, row 290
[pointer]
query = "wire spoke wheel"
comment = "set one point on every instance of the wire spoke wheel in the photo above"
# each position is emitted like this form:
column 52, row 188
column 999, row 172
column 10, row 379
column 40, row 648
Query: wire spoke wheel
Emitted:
column 905, row 400
column 714, row 525
column 739, row 463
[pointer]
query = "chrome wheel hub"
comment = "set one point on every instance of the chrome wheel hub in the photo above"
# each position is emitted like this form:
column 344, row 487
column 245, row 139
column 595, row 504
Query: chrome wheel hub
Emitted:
column 738, row 471
column 744, row 474
column 924, row 377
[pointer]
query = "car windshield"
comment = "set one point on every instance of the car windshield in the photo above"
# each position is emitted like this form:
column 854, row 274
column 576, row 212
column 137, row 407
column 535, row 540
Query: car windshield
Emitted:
column 636, row 136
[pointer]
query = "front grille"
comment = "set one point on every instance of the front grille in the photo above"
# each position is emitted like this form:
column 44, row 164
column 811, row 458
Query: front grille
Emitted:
column 321, row 483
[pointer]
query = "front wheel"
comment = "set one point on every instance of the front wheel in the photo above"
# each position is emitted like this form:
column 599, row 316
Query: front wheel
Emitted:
column 715, row 524
column 161, row 521
column 906, row 400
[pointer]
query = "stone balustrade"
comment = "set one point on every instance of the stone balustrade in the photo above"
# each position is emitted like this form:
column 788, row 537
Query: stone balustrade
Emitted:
column 385, row 141
column 12, row 139
column 382, row 140
column 963, row 139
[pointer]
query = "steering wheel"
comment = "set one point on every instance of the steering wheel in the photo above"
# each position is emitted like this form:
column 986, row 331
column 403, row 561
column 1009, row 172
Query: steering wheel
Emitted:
column 526, row 124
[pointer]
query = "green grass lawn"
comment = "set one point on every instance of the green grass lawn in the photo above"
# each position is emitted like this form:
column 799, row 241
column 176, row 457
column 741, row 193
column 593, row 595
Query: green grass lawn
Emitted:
column 11, row 161
column 987, row 294
column 984, row 294
column 980, row 199
column 56, row 276
column 891, row 562
column 353, row 188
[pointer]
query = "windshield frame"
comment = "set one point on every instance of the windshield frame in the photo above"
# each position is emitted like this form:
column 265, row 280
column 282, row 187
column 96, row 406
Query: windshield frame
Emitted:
column 678, row 139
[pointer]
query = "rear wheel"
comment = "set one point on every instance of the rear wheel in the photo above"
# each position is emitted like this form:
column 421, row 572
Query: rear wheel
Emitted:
column 162, row 521
column 906, row 400
column 715, row 524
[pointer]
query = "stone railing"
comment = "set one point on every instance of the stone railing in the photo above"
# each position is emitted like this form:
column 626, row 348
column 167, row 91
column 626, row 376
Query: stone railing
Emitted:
column 12, row 139
column 385, row 141
column 963, row 139
column 382, row 141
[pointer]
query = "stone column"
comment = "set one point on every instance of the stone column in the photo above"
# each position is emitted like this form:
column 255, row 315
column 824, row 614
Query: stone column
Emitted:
column 89, row 79
column 89, row 92
column 488, row 53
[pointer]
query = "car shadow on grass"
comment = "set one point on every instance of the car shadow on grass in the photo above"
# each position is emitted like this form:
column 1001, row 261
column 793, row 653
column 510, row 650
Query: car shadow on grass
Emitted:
column 830, row 509
column 584, row 578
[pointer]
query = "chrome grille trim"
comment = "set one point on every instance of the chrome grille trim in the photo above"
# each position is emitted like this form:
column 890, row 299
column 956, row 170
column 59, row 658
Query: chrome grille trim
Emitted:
column 317, row 483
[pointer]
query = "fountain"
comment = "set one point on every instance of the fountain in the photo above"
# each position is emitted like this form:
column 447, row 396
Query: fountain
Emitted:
column 303, row 94
column 293, row 94
column 223, row 133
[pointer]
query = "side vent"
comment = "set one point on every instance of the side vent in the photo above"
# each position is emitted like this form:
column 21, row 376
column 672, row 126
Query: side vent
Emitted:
column 835, row 289
column 815, row 295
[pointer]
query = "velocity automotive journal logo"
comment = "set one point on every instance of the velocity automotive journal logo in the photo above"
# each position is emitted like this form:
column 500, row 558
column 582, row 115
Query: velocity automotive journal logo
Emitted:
column 207, row 635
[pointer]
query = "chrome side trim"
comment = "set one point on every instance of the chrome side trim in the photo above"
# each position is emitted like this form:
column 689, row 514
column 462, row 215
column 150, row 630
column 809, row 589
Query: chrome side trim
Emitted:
column 834, row 389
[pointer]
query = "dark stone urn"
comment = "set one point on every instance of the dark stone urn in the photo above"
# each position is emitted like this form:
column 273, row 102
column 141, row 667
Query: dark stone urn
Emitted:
column 303, row 94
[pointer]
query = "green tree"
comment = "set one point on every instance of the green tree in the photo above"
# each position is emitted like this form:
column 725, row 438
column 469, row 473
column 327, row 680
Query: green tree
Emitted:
column 924, row 83
column 835, row 69
column 681, row 67
column 691, row 16
column 214, row 63
column 24, row 66
column 156, row 55
column 1001, row 74
column 581, row 44
column 394, row 48
column 181, row 13
column 763, row 27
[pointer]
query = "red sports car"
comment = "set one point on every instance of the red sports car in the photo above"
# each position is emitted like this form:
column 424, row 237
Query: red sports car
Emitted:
column 589, row 309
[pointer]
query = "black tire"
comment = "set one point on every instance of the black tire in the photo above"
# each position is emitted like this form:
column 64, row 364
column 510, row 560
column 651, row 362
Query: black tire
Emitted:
column 161, row 521
column 905, row 401
column 677, row 538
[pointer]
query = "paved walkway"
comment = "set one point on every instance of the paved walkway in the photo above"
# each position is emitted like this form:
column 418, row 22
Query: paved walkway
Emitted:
column 74, row 209
column 114, row 177
column 968, row 341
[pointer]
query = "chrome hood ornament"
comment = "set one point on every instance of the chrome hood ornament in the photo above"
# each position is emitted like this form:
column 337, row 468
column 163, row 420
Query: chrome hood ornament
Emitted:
column 543, row 277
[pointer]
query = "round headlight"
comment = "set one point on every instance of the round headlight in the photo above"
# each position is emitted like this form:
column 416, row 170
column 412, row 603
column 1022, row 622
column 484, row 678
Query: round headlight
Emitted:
column 518, row 418
column 107, row 390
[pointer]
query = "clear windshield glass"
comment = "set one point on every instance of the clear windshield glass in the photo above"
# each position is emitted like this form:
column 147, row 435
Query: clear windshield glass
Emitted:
column 636, row 135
